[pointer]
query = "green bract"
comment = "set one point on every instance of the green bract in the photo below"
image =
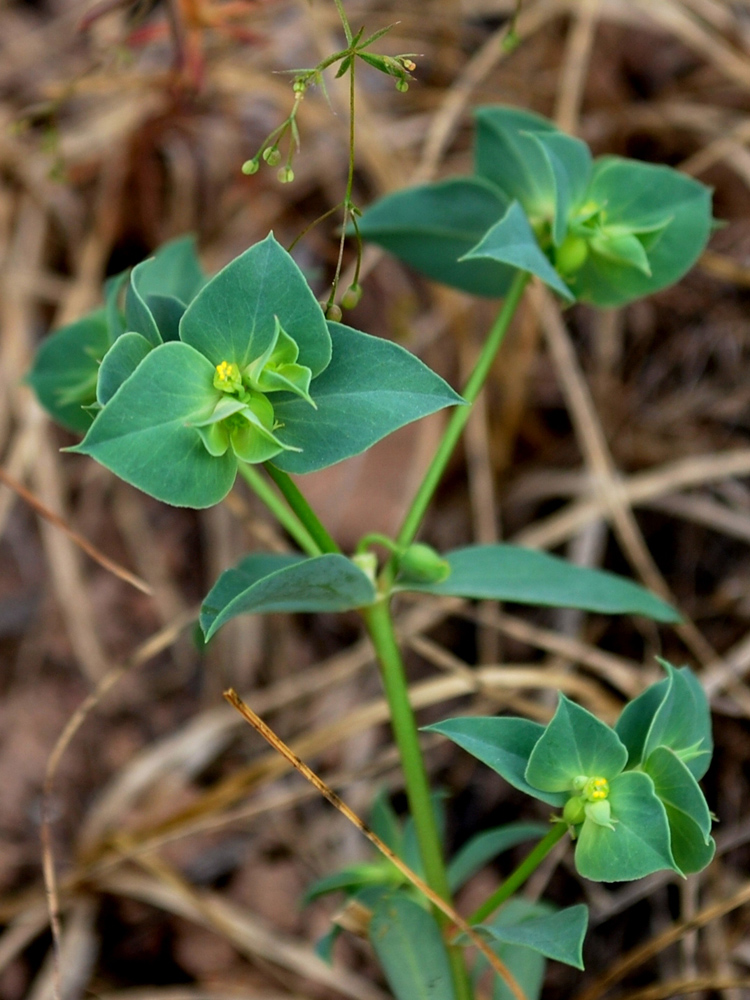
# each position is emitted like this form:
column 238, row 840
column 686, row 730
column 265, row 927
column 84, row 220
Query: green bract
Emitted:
column 628, row 794
column 249, row 371
column 604, row 231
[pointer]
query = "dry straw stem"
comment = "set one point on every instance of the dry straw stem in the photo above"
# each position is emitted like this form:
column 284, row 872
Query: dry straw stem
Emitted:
column 268, row 734
column 83, row 543
column 637, row 956
column 682, row 987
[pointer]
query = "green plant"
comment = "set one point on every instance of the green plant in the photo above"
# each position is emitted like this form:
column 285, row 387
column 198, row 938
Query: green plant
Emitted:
column 180, row 382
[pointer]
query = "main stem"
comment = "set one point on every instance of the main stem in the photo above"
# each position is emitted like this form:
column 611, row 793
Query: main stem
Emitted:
column 303, row 510
column 461, row 414
column 286, row 517
column 517, row 878
column 380, row 627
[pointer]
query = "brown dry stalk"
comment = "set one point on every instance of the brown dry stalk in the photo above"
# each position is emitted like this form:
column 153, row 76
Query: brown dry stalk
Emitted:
column 328, row 793
column 91, row 550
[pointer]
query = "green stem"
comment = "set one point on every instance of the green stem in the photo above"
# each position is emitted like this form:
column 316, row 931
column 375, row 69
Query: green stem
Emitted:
column 380, row 627
column 286, row 518
column 517, row 878
column 461, row 414
column 302, row 509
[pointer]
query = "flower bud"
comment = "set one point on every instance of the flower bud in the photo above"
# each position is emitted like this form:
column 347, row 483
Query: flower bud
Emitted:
column 402, row 86
column 251, row 166
column 272, row 156
column 571, row 255
column 351, row 296
column 285, row 175
column 574, row 811
column 422, row 564
column 333, row 312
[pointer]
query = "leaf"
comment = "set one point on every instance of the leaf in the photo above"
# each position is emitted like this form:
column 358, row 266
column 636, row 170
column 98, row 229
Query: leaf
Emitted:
column 142, row 435
column 508, row 156
column 677, row 788
column 329, row 582
column 526, row 576
column 411, row 853
column 174, row 271
column 353, row 877
column 324, row 946
column 370, row 389
column 66, row 367
column 167, row 312
column 485, row 846
column 233, row 318
column 511, row 241
column 119, row 363
column 558, row 936
column 574, row 743
column 504, row 744
column 138, row 316
column 431, row 227
column 570, row 163
column 673, row 712
column 384, row 822
column 526, row 965
column 640, row 196
column 410, row 948
column 638, row 845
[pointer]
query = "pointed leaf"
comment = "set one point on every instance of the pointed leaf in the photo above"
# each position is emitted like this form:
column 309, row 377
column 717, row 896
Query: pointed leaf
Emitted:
column 433, row 226
column 410, row 948
column 119, row 363
column 526, row 576
column 527, row 966
column 167, row 312
column 639, row 196
column 511, row 241
column 324, row 946
column 321, row 583
column 574, row 743
column 677, row 788
column 66, row 368
column 371, row 388
column 143, row 436
column 138, row 316
column 638, row 845
column 507, row 155
column 485, row 846
column 558, row 936
column 233, row 318
column 570, row 162
column 503, row 744
column 174, row 271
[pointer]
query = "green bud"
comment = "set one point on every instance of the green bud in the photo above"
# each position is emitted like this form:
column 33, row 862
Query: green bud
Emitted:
column 600, row 813
column 250, row 166
column 402, row 86
column 272, row 156
column 285, row 175
column 422, row 564
column 333, row 312
column 574, row 811
column 571, row 255
column 351, row 296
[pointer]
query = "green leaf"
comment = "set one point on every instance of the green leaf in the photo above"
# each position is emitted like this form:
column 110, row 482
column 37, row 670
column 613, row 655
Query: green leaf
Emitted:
column 324, row 946
column 526, row 576
column 511, row 241
column 673, row 712
column 352, row 878
column 167, row 312
column 431, row 227
column 509, row 157
column 574, row 743
column 329, row 582
column 638, row 845
column 143, row 434
column 411, row 853
column 233, row 318
column 384, row 822
column 504, row 744
column 370, row 389
column 174, row 271
column 410, row 948
column 119, row 363
column 138, row 316
column 570, row 163
column 485, row 846
column 526, row 965
column 112, row 303
column 642, row 197
column 677, row 788
column 66, row 368
column 558, row 936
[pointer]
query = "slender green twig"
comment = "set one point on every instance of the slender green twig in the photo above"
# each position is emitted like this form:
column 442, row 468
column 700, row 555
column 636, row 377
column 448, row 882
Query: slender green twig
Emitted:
column 517, row 878
column 302, row 509
column 461, row 414
column 287, row 518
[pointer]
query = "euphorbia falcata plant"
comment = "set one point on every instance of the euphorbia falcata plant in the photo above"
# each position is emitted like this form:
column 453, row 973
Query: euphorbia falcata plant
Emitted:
column 180, row 381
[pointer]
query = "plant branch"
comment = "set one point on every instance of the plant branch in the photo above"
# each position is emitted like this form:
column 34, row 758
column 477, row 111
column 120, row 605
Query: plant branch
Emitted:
column 287, row 518
column 303, row 510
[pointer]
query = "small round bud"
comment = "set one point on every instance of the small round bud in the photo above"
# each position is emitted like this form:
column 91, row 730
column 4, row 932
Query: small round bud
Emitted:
column 408, row 64
column 299, row 86
column 574, row 811
column 571, row 255
column 402, row 86
column 333, row 312
column 422, row 564
column 351, row 296
column 285, row 175
column 250, row 166
column 272, row 156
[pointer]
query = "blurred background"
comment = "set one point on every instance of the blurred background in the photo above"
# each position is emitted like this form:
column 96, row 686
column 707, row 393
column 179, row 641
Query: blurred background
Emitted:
column 621, row 439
